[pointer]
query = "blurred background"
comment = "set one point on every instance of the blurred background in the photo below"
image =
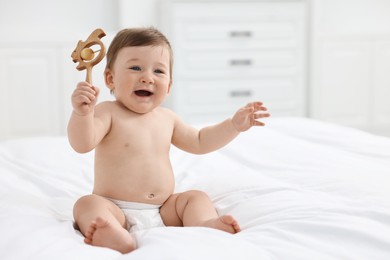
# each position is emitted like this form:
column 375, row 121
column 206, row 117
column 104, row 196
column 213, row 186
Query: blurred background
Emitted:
column 324, row 59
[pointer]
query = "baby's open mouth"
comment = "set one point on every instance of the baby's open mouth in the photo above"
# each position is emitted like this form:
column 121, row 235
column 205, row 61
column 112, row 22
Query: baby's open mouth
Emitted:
column 143, row 93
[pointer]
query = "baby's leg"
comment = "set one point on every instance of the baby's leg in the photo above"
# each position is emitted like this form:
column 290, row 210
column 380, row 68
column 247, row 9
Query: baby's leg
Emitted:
column 103, row 224
column 194, row 208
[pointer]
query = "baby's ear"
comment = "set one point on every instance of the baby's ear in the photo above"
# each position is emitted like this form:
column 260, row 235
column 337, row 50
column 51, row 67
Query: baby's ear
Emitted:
column 109, row 79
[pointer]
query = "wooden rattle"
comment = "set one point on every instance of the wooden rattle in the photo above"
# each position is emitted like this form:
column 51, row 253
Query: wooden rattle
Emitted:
column 86, row 56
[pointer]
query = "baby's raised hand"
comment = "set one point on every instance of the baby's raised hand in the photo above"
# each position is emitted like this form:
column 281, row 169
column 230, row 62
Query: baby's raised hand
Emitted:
column 84, row 98
column 247, row 116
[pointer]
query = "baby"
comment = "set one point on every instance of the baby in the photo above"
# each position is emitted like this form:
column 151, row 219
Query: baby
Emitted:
column 134, row 181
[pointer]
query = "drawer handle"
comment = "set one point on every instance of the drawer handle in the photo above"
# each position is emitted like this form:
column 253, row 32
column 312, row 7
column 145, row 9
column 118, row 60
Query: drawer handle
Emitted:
column 244, row 62
column 240, row 34
column 240, row 93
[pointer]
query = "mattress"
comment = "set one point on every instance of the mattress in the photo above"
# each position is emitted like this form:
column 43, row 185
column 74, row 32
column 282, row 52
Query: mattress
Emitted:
column 300, row 189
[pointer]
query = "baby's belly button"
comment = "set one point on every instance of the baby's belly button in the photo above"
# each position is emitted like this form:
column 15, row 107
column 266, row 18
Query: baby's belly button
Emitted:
column 156, row 198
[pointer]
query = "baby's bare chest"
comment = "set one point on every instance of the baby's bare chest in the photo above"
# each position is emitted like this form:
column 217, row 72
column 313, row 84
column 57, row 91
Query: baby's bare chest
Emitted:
column 143, row 134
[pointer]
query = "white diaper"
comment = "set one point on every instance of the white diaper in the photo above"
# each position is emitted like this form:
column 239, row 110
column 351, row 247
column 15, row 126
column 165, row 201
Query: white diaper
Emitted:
column 140, row 216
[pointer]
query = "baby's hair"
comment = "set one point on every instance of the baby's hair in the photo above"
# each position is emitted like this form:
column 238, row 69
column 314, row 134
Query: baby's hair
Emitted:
column 134, row 37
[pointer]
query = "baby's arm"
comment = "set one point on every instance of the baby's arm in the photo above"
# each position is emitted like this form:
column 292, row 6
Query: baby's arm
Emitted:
column 211, row 138
column 86, row 126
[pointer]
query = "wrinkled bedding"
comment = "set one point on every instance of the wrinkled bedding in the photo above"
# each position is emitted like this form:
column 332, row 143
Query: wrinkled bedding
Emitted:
column 300, row 189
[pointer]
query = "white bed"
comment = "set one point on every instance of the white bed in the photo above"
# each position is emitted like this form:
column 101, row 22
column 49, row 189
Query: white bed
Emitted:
column 300, row 188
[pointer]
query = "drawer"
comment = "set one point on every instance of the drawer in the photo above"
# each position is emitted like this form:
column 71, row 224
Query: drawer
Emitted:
column 234, row 31
column 235, row 64
column 222, row 96
column 237, row 35
column 238, row 10
column 228, row 24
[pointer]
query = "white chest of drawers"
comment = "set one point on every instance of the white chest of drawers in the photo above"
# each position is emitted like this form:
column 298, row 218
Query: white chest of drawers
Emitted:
column 228, row 53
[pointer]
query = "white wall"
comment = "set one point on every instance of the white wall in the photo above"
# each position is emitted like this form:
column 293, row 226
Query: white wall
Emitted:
column 351, row 16
column 55, row 20
column 133, row 13
column 350, row 63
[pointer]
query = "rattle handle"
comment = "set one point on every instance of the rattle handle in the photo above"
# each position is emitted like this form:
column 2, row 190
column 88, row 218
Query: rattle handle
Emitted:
column 89, row 75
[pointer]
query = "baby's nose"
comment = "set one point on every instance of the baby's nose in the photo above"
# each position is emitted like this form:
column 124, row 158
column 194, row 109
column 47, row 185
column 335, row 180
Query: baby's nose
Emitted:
column 146, row 78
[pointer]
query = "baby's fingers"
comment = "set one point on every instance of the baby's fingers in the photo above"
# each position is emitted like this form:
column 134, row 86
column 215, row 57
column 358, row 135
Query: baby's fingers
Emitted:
column 82, row 96
column 257, row 123
column 85, row 91
column 259, row 106
column 256, row 106
column 261, row 115
column 86, row 87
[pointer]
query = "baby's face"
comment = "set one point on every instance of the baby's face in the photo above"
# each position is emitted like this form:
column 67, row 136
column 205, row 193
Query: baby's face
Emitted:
column 140, row 77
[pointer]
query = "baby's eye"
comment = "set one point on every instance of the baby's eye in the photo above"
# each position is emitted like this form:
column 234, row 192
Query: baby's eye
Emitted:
column 137, row 68
column 159, row 71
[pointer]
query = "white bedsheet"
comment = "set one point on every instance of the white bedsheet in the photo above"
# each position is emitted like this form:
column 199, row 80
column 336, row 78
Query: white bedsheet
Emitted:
column 300, row 189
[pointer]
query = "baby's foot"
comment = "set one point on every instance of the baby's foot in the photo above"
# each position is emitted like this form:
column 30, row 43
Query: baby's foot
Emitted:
column 103, row 233
column 225, row 223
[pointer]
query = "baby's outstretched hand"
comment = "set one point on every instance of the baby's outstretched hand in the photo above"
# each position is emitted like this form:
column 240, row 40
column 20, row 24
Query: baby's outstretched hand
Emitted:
column 247, row 116
column 84, row 98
